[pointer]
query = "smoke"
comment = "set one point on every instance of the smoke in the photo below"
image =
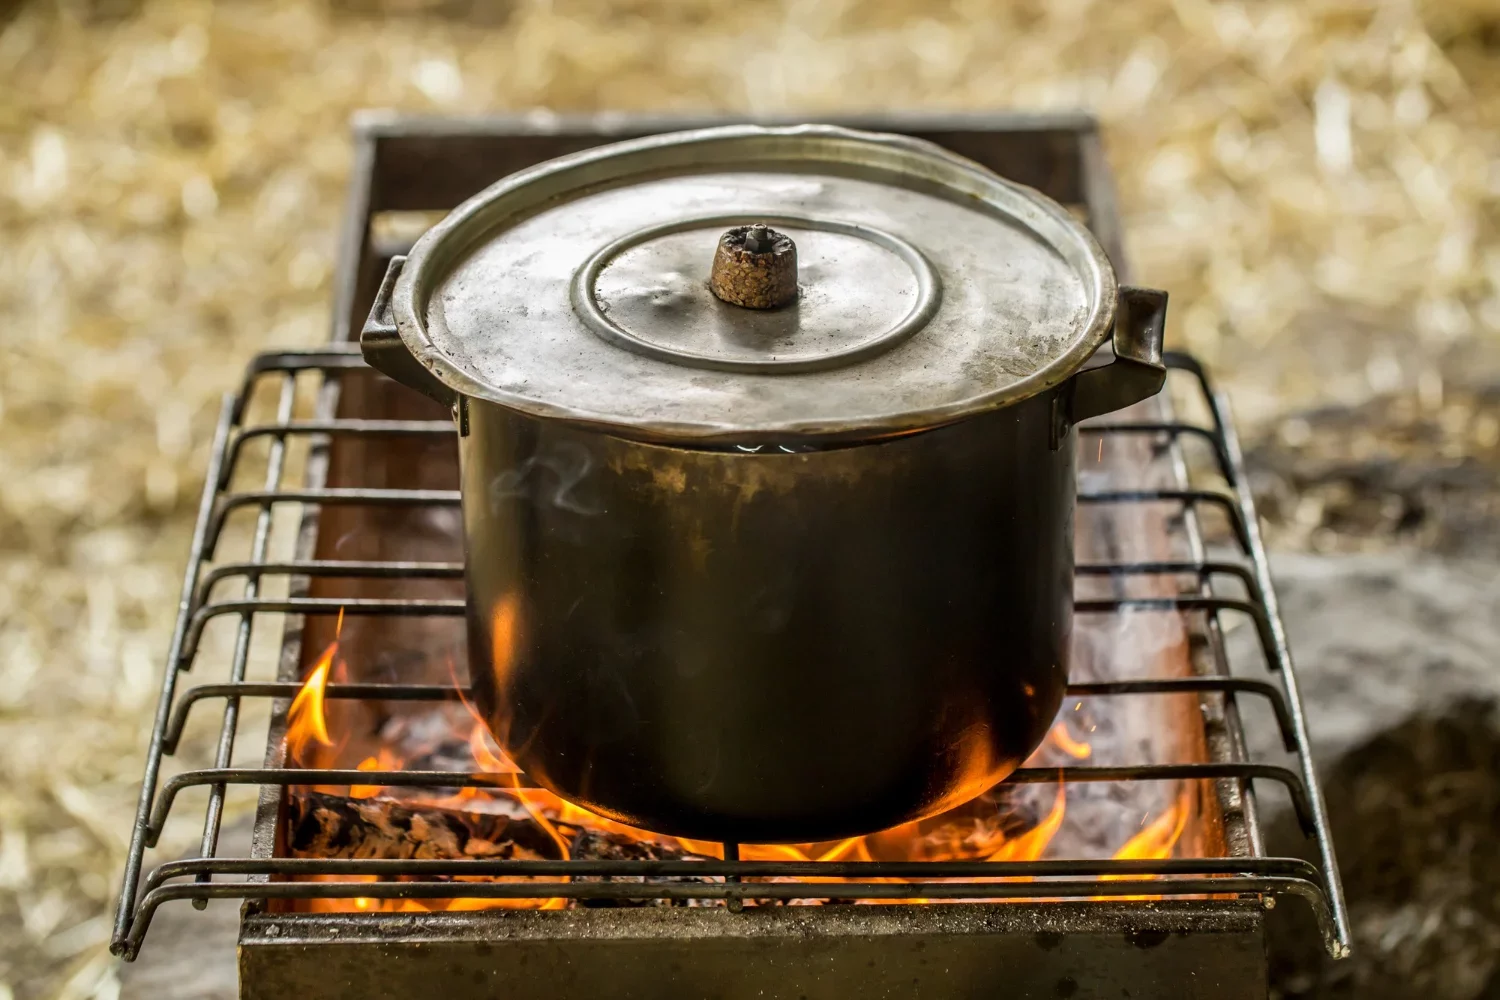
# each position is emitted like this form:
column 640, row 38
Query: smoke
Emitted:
column 1127, row 644
column 554, row 478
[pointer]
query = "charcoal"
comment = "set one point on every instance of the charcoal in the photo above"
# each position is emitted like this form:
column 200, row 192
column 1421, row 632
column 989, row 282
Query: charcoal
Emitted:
column 603, row 845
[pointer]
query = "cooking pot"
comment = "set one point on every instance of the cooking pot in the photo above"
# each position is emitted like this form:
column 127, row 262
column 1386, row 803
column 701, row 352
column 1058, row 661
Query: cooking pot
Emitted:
column 767, row 468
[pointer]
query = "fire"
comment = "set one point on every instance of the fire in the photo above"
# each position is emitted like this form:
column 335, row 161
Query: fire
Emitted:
column 1158, row 840
column 383, row 761
column 1061, row 738
column 306, row 722
column 1030, row 845
column 982, row 831
column 495, row 762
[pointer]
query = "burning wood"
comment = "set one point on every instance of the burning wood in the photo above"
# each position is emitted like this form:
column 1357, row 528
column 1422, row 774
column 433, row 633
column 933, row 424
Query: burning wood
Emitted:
column 323, row 825
column 320, row 825
column 602, row 845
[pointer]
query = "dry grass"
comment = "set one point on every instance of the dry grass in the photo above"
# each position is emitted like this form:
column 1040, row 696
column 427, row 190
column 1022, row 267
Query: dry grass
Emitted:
column 1316, row 183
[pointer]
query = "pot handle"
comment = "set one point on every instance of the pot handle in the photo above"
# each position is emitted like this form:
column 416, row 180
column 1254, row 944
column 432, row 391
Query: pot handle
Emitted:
column 381, row 344
column 1137, row 371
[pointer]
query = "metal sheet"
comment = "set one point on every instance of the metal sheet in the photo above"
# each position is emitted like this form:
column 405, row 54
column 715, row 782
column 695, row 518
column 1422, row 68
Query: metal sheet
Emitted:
column 1171, row 949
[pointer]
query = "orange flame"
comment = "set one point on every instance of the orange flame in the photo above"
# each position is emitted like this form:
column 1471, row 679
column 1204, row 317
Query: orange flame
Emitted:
column 384, row 761
column 491, row 762
column 1157, row 840
column 1061, row 738
column 306, row 721
column 976, row 834
column 495, row 761
column 1030, row 845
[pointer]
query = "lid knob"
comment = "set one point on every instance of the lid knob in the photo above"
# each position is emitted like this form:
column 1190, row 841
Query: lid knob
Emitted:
column 755, row 267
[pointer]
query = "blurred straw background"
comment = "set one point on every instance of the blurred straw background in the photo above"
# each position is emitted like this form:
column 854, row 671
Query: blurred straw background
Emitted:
column 1317, row 183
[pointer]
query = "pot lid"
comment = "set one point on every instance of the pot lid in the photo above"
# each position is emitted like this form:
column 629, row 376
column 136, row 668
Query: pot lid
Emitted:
column 887, row 286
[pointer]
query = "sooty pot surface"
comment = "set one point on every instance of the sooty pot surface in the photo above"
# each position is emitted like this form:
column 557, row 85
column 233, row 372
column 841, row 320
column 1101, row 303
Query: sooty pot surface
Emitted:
column 769, row 646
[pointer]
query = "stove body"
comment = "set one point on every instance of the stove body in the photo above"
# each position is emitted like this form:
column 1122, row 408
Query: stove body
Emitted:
column 1057, row 949
column 378, row 537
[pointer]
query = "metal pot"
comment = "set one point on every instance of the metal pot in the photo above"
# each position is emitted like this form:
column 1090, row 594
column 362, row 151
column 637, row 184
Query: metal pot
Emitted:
column 744, row 568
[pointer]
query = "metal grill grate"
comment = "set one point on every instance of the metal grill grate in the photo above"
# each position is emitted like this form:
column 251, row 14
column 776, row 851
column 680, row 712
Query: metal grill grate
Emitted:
column 208, row 876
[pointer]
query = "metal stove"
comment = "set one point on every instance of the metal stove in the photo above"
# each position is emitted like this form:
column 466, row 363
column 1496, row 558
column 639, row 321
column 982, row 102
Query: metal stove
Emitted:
column 374, row 489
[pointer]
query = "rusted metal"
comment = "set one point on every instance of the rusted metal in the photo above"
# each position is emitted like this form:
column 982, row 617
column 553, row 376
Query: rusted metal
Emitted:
column 1024, row 950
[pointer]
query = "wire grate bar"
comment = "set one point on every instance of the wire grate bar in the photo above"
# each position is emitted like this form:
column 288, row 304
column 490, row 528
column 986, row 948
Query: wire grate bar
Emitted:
column 440, row 428
column 135, row 854
column 495, row 868
column 1035, row 889
column 1187, row 602
column 447, row 692
column 289, row 689
column 275, row 468
column 299, row 776
column 307, row 428
column 1171, row 428
column 1288, row 779
column 1280, row 654
column 1185, row 685
column 328, row 495
column 331, row 568
column 435, row 607
column 230, row 502
column 1213, row 498
column 1205, row 568
column 737, row 892
column 327, row 361
column 454, row 571
column 454, row 606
